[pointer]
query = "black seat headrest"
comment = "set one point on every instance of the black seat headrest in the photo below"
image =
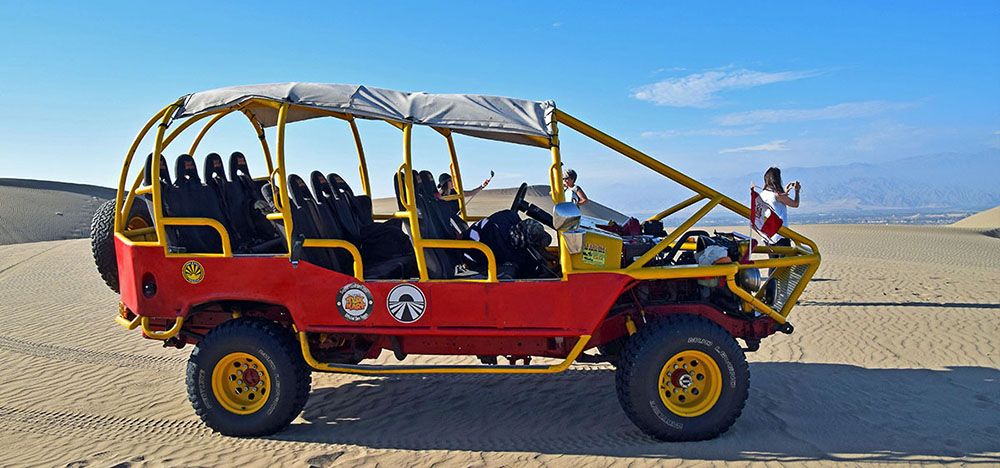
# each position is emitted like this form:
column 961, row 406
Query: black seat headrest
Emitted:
column 339, row 183
column 148, row 171
column 186, row 170
column 321, row 187
column 238, row 165
column 214, row 170
column 298, row 191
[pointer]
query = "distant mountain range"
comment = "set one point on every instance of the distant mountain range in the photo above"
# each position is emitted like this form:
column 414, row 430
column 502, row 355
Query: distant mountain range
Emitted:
column 935, row 182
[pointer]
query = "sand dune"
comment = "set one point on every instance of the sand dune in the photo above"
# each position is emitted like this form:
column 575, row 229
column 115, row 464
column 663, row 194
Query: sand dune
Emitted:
column 989, row 219
column 37, row 210
column 895, row 358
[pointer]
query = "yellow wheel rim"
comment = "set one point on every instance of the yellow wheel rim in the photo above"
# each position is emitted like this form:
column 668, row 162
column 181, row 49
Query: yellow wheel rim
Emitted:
column 690, row 383
column 136, row 222
column 240, row 383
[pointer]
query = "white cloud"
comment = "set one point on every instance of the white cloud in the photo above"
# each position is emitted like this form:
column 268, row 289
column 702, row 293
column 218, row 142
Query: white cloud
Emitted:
column 716, row 132
column 840, row 111
column 996, row 132
column 556, row 25
column 776, row 145
column 700, row 89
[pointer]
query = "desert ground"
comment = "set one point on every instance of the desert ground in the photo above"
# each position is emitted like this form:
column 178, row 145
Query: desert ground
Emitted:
column 894, row 359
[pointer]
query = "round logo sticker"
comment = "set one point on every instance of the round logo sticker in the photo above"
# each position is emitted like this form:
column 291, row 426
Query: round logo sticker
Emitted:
column 193, row 272
column 406, row 303
column 354, row 301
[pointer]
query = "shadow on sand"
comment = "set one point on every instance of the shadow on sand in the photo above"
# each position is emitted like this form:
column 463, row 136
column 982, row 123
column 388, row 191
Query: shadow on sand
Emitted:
column 947, row 305
column 796, row 411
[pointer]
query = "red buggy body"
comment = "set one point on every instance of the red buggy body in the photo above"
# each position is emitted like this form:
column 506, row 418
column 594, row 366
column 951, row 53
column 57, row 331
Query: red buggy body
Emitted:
column 264, row 313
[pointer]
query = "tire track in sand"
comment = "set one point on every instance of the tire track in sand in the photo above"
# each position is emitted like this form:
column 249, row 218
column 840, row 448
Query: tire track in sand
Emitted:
column 178, row 431
column 85, row 356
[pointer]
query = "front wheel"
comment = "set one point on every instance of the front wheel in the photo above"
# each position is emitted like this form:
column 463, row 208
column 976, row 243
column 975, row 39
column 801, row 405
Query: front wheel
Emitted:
column 247, row 378
column 683, row 378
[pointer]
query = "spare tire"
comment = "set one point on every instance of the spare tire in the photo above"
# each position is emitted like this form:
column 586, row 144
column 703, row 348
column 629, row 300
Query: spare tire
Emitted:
column 102, row 237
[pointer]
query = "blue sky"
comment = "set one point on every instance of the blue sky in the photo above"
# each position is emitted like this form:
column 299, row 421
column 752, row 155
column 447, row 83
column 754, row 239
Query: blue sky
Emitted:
column 721, row 90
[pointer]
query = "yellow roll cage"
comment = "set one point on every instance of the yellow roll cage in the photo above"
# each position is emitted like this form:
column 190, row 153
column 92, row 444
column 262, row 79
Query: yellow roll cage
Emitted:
column 804, row 253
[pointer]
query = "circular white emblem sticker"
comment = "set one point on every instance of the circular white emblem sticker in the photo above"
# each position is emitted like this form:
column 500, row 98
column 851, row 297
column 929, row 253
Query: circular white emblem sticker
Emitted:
column 354, row 302
column 406, row 303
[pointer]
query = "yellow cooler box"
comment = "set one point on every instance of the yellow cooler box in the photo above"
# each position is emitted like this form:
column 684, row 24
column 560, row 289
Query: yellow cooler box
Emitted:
column 594, row 249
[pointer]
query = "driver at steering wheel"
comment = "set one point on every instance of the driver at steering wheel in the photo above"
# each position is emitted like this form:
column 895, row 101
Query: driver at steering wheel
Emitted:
column 517, row 245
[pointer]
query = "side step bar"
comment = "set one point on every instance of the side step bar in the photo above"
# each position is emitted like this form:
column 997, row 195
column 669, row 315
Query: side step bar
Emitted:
column 458, row 369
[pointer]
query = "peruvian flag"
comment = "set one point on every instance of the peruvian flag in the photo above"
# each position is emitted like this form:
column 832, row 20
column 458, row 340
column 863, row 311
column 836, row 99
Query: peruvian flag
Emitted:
column 763, row 219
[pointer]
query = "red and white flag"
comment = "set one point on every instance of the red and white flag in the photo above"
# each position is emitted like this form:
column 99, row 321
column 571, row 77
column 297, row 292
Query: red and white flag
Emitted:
column 763, row 219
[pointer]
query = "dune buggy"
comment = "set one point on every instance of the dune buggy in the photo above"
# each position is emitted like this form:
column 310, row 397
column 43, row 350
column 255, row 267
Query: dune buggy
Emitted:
column 273, row 277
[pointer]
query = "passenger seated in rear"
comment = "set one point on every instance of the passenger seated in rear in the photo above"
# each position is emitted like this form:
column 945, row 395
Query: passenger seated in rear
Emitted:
column 446, row 187
column 517, row 244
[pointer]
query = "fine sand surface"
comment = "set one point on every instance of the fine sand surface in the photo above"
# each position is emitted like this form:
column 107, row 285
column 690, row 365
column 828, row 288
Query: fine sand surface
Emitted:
column 894, row 358
column 36, row 210
column 989, row 219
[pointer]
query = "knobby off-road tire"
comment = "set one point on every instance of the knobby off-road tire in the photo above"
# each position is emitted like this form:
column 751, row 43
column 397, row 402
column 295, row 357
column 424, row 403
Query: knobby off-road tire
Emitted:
column 102, row 237
column 220, row 386
column 679, row 403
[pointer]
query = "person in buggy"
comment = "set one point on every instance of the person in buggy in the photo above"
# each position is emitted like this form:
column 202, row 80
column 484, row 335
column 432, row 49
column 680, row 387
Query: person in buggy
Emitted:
column 518, row 245
column 446, row 188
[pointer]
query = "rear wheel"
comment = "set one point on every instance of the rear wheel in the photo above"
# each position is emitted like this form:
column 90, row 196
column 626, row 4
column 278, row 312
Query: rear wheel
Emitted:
column 247, row 378
column 683, row 378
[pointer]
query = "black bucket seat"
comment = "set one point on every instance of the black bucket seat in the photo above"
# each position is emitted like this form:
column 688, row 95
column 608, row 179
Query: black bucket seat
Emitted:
column 308, row 223
column 191, row 199
column 250, row 231
column 165, row 184
column 440, row 262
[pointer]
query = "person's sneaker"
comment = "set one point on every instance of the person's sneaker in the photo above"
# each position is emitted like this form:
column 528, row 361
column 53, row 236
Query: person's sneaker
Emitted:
column 461, row 271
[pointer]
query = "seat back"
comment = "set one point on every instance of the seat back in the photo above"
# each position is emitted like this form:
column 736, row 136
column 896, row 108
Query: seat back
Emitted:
column 440, row 262
column 165, row 184
column 231, row 200
column 307, row 222
column 191, row 199
column 337, row 205
column 361, row 205
column 253, row 207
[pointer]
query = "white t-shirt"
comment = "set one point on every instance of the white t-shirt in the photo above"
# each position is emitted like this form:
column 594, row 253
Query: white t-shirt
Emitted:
column 771, row 198
column 573, row 194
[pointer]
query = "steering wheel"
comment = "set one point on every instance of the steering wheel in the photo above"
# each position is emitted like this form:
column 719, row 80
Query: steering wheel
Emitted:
column 519, row 197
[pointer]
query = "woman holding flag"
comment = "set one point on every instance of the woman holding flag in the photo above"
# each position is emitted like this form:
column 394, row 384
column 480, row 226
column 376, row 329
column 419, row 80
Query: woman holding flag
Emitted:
column 775, row 197
column 769, row 212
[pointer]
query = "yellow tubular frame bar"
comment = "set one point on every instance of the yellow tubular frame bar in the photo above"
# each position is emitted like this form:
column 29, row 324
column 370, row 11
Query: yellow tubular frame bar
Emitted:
column 136, row 189
column 386, row 370
column 673, row 209
column 339, row 244
column 806, row 253
column 419, row 243
column 362, row 162
column 286, row 212
column 204, row 130
column 119, row 218
column 809, row 256
column 652, row 253
column 456, row 175
column 143, row 322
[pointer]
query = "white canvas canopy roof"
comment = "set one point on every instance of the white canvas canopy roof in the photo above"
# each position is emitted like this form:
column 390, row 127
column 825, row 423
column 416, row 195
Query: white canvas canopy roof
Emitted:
column 490, row 117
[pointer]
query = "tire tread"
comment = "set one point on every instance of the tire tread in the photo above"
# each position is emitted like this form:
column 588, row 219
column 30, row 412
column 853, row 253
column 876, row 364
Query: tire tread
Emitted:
column 645, row 339
column 263, row 330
